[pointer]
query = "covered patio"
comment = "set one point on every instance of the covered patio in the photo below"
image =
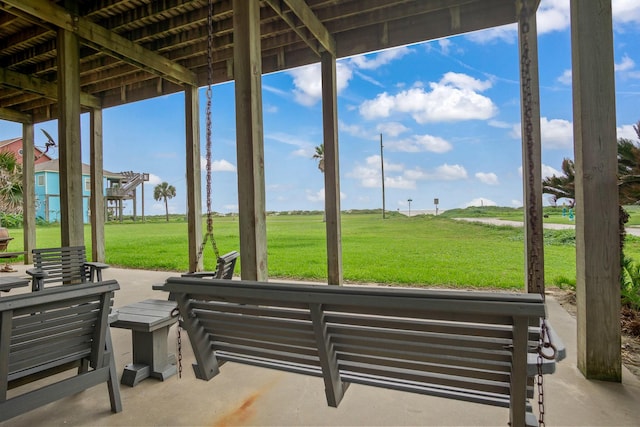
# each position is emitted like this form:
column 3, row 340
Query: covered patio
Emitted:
column 63, row 58
column 246, row 395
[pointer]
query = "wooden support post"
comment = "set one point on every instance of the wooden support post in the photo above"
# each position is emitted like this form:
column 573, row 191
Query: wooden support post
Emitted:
column 531, row 152
column 247, row 62
column 194, row 186
column 71, row 215
column 331, row 169
column 597, row 216
column 28, row 192
column 97, row 187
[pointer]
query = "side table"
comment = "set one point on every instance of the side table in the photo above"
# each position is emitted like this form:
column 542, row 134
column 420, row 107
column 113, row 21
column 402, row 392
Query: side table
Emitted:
column 149, row 322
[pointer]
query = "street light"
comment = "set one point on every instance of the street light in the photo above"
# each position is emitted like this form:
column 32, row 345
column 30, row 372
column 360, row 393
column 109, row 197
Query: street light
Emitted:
column 410, row 200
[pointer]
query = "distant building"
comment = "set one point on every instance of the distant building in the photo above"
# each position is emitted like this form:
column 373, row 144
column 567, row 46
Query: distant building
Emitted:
column 47, row 189
column 15, row 146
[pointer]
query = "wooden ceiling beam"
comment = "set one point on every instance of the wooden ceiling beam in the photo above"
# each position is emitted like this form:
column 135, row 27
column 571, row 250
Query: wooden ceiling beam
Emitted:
column 15, row 116
column 41, row 87
column 275, row 5
column 313, row 24
column 105, row 40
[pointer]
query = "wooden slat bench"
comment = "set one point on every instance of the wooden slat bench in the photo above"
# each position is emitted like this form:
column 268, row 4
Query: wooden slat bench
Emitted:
column 470, row 346
column 65, row 265
column 52, row 331
column 225, row 266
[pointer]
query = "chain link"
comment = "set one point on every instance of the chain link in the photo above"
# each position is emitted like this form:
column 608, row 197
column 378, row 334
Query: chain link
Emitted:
column 532, row 273
column 209, row 235
column 176, row 313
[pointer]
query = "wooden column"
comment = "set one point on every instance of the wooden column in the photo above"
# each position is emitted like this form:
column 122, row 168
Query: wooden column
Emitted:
column 531, row 151
column 28, row 192
column 194, row 186
column 96, row 202
column 331, row 169
column 250, row 141
column 595, row 145
column 68, row 79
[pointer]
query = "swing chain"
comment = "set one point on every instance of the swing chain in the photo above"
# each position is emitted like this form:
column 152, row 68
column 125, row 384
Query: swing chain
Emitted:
column 176, row 313
column 209, row 234
column 525, row 67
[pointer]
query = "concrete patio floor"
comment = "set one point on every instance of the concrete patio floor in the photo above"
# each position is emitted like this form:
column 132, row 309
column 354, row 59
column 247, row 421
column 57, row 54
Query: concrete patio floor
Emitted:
column 245, row 395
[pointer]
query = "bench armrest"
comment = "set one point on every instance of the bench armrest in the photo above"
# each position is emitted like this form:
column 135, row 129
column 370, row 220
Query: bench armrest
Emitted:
column 37, row 273
column 95, row 269
column 548, row 366
column 202, row 274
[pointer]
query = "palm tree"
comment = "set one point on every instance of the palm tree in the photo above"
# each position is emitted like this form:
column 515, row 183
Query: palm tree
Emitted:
column 563, row 186
column 319, row 155
column 10, row 184
column 164, row 192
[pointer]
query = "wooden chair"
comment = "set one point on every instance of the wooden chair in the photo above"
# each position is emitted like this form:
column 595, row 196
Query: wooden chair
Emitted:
column 53, row 331
column 65, row 265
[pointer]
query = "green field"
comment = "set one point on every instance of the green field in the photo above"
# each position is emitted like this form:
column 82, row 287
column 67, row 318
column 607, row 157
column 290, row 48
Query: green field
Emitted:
column 422, row 250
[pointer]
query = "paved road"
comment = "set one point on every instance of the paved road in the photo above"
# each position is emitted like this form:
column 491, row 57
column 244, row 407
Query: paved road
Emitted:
column 630, row 230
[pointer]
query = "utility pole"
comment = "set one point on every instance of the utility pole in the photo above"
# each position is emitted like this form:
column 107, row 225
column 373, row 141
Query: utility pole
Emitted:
column 410, row 200
column 382, row 168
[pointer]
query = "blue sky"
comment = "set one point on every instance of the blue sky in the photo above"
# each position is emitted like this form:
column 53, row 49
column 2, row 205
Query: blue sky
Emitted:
column 449, row 112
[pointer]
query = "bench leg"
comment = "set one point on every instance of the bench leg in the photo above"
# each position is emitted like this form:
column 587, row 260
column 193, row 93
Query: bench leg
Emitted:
column 150, row 357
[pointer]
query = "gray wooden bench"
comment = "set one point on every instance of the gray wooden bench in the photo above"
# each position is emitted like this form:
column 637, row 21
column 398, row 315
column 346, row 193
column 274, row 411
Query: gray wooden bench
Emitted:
column 52, row 331
column 65, row 265
column 225, row 266
column 470, row 346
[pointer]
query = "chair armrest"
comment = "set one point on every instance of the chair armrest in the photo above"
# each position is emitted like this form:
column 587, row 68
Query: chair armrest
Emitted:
column 97, row 265
column 37, row 273
column 95, row 269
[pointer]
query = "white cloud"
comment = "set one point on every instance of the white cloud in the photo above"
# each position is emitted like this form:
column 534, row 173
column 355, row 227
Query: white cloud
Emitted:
column 625, row 64
column 516, row 203
column 388, row 167
column 308, row 82
column 488, row 178
column 420, row 143
column 231, row 208
column 499, row 124
column 445, row 45
column 480, row 201
column 506, row 33
column 556, row 133
column 444, row 172
column 222, row 166
column 304, row 148
column 553, row 15
column 454, row 98
column 628, row 132
column 269, row 108
column 547, row 171
column 391, row 129
column 566, row 77
column 154, row 179
column 626, row 11
column 318, row 196
column 399, row 182
column 374, row 61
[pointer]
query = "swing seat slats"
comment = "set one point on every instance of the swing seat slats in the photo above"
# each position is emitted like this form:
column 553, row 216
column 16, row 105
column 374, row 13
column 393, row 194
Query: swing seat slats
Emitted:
column 467, row 346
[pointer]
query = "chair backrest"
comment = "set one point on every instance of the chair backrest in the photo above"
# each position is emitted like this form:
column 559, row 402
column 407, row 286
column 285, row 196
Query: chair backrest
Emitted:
column 64, row 265
column 226, row 265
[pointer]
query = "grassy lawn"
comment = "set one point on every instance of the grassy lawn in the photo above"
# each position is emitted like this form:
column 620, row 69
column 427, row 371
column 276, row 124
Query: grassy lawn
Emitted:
column 423, row 250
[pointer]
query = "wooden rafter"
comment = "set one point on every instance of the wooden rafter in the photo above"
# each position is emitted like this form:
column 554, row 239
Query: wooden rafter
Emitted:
column 313, row 24
column 41, row 87
column 105, row 40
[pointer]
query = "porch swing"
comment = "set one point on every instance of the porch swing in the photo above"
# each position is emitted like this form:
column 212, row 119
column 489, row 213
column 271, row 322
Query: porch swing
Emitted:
column 482, row 347
column 225, row 264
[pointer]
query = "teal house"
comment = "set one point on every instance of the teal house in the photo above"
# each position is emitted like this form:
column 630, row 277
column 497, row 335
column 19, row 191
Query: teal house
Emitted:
column 47, row 189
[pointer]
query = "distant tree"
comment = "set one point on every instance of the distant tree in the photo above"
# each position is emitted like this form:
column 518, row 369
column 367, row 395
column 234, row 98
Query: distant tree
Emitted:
column 319, row 156
column 10, row 184
column 563, row 186
column 164, row 192
column 629, row 169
